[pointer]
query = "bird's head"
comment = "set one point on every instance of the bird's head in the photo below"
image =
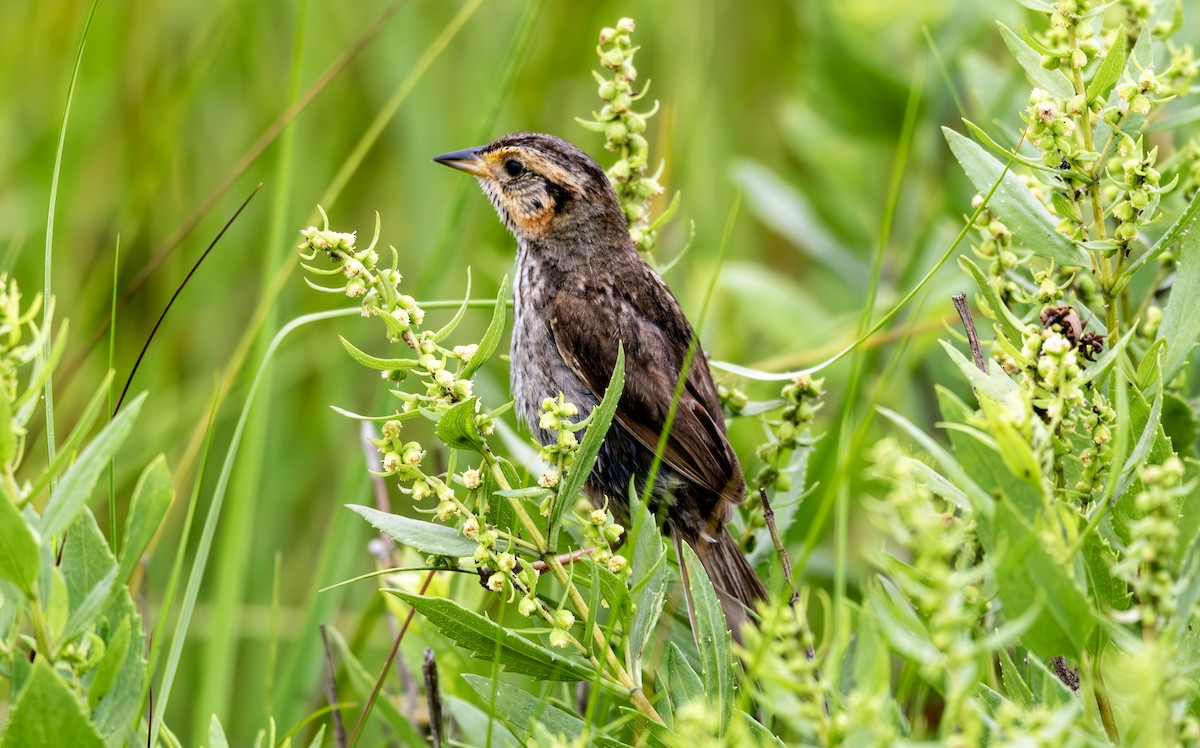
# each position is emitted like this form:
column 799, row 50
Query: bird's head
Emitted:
column 543, row 187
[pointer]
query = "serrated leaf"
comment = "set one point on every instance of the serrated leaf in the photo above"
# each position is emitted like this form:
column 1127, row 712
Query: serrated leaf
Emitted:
column 491, row 336
column 489, row 641
column 76, row 485
column 1053, row 81
column 152, row 499
column 85, row 612
column 683, row 684
column 87, row 564
column 649, row 574
column 1180, row 323
column 374, row 362
column 521, row 710
column 1110, row 69
column 456, row 428
column 1098, row 556
column 589, row 447
column 1031, row 224
column 426, row 537
column 47, row 713
column 712, row 637
column 19, row 556
column 104, row 675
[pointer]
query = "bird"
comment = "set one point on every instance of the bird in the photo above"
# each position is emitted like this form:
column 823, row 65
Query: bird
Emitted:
column 581, row 291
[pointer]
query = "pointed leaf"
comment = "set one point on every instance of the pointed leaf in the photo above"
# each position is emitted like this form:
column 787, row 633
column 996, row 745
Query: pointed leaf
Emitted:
column 373, row 362
column 456, row 428
column 1030, row 222
column 76, row 485
column 47, row 713
column 1180, row 323
column 19, row 557
column 521, row 710
column 152, row 499
column 105, row 673
column 683, row 684
column 487, row 640
column 712, row 636
column 491, row 336
column 426, row 537
column 1110, row 69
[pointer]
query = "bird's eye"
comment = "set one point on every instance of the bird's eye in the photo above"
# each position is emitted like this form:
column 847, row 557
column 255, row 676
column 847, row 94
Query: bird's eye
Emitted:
column 514, row 168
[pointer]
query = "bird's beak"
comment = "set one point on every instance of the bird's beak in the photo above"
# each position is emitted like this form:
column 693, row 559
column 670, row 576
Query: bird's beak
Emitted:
column 467, row 160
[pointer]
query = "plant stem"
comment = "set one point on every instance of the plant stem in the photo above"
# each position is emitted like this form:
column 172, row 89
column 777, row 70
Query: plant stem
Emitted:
column 1105, row 707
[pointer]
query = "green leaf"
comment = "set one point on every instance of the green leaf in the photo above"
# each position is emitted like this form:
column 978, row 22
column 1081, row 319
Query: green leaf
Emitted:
column 1015, row 687
column 76, row 485
column 58, row 606
column 491, row 336
column 1053, row 81
column 589, row 448
column 456, row 428
column 89, row 566
column 19, row 557
column 1030, row 222
column 683, row 684
column 426, row 537
column 759, row 734
column 1180, row 323
column 521, row 710
column 152, row 499
column 612, row 588
column 1110, row 69
column 1027, row 576
column 84, row 613
column 1110, row 591
column 105, row 673
column 899, row 622
column 1180, row 424
column 216, row 734
column 474, row 722
column 982, row 462
column 712, row 637
column 649, row 572
column 378, row 364
column 47, row 713
column 8, row 435
column 487, row 640
column 981, row 503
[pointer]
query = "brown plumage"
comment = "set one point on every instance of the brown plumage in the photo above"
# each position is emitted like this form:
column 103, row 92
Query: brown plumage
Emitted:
column 581, row 289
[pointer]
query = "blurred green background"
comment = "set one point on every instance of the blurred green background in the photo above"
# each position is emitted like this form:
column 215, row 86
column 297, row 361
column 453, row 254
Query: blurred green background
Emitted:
column 798, row 104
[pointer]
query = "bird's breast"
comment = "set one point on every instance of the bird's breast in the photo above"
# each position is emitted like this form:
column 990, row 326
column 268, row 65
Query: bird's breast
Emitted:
column 537, row 369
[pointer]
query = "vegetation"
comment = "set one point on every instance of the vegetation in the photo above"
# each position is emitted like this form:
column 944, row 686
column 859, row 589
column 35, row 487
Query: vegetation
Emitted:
column 1009, row 555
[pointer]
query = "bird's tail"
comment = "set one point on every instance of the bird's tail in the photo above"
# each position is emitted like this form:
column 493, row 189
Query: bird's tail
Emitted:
column 737, row 586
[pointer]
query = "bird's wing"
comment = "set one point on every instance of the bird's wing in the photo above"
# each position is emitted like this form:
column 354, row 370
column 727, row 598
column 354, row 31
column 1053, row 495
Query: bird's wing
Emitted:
column 697, row 447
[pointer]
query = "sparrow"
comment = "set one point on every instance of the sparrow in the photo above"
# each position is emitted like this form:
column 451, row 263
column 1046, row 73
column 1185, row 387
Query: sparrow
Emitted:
column 581, row 290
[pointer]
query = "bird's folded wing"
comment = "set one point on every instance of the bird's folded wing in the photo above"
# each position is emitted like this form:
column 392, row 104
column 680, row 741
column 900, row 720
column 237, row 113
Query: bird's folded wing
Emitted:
column 696, row 448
